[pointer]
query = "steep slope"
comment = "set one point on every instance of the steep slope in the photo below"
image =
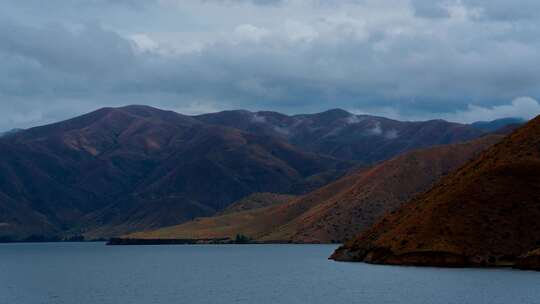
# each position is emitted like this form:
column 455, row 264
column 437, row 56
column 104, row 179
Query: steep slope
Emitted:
column 341, row 209
column 121, row 169
column 347, row 136
column 484, row 214
column 256, row 201
column 375, row 191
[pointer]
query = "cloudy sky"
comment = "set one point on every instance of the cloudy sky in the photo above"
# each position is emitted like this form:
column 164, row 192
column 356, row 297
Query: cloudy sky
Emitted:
column 461, row 60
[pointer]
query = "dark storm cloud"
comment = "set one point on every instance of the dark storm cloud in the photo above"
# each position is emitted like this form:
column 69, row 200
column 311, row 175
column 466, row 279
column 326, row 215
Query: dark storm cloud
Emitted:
column 461, row 60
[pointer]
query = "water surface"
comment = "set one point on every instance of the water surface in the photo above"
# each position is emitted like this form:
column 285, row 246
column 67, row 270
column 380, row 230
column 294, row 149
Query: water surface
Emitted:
column 91, row 273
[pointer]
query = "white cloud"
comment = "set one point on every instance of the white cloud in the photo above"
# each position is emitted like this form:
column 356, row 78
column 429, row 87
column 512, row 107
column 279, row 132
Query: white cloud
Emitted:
column 391, row 134
column 258, row 118
column 376, row 130
column 298, row 31
column 248, row 32
column 144, row 43
column 282, row 130
column 197, row 108
column 522, row 107
column 353, row 119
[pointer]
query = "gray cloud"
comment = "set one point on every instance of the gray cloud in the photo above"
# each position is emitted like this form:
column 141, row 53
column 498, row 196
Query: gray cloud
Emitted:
column 505, row 10
column 413, row 59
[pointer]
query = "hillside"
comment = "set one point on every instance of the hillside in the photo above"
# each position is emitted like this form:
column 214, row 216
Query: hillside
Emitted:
column 485, row 214
column 375, row 191
column 258, row 200
column 341, row 209
column 117, row 170
column 255, row 223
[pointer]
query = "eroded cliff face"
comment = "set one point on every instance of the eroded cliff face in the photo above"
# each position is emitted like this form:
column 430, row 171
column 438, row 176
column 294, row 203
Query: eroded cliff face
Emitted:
column 484, row 214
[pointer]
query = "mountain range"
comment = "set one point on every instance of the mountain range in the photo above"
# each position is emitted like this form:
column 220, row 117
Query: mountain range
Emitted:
column 119, row 170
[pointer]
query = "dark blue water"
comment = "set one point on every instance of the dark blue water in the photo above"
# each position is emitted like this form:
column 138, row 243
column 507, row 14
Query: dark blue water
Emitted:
column 89, row 273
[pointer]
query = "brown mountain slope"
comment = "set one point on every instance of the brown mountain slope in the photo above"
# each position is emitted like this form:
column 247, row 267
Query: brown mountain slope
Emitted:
column 486, row 213
column 239, row 217
column 258, row 200
column 341, row 209
column 378, row 190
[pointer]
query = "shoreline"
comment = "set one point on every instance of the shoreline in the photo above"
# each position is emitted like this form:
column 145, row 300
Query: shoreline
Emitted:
column 204, row 241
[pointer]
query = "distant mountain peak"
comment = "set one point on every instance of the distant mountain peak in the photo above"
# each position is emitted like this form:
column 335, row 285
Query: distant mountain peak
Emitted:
column 497, row 124
column 336, row 113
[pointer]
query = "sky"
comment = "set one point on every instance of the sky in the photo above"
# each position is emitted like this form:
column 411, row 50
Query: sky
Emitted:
column 460, row 60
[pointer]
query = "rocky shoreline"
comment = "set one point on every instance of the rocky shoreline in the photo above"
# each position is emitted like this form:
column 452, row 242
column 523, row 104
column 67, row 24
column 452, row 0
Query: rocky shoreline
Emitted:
column 384, row 256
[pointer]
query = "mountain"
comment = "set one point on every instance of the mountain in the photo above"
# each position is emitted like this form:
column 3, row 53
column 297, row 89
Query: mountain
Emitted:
column 495, row 125
column 340, row 210
column 343, row 135
column 484, row 214
column 117, row 170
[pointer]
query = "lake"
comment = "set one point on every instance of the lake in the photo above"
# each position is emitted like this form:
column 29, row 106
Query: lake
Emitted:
column 90, row 273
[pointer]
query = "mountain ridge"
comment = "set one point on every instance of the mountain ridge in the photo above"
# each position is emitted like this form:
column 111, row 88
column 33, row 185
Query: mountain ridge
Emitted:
column 344, row 135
